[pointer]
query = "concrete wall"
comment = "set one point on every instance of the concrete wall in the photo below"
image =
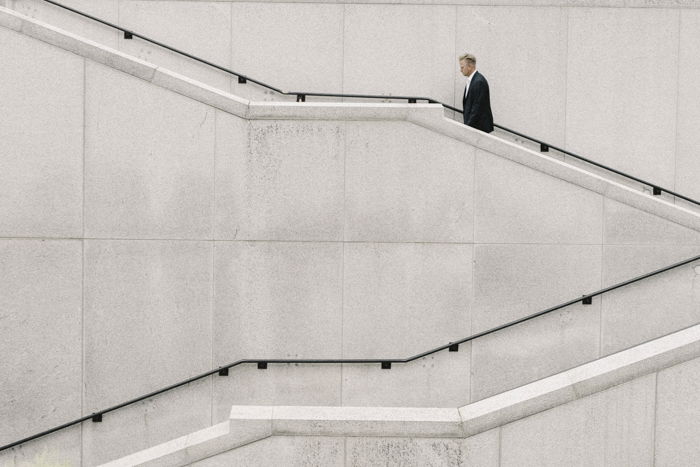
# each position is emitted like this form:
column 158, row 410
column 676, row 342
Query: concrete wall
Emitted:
column 481, row 450
column 147, row 237
column 651, row 420
column 609, row 79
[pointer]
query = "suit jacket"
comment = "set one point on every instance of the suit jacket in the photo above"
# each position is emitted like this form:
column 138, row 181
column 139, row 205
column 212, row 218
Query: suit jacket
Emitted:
column 477, row 104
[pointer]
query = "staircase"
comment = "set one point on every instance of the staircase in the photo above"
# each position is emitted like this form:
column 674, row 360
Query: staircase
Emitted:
column 155, row 228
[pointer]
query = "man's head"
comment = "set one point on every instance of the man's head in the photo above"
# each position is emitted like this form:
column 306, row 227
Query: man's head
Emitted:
column 467, row 64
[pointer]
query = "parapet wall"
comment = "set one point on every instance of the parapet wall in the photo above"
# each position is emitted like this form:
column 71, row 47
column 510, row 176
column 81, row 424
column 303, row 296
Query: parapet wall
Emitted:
column 610, row 79
column 636, row 407
column 148, row 236
column 651, row 420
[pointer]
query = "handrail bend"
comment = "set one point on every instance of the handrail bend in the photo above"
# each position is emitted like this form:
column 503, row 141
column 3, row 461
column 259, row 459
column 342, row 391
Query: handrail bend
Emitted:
column 384, row 362
column 301, row 97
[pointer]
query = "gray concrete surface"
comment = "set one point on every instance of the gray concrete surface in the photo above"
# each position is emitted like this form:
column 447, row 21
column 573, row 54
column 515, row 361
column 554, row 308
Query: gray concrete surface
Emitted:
column 154, row 224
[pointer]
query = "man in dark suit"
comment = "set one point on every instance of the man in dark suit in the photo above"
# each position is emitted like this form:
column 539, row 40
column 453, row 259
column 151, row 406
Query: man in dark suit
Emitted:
column 475, row 100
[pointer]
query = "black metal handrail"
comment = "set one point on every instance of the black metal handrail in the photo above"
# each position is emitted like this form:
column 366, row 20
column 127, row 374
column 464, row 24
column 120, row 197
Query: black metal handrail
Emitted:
column 385, row 363
column 301, row 97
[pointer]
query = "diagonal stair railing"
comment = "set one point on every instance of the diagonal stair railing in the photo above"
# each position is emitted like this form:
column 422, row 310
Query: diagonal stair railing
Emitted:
column 301, row 96
column 385, row 363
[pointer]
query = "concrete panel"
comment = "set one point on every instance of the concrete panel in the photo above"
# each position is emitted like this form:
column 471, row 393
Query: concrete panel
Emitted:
column 279, row 384
column 627, row 225
column 406, row 183
column 382, row 57
column 231, row 145
column 149, row 160
column 106, row 10
column 402, row 299
column 439, row 380
column 515, row 204
column 621, row 110
column 295, row 46
column 481, row 450
column 614, row 428
column 652, row 307
column 41, row 160
column 522, row 53
column 512, row 281
column 687, row 164
column 622, row 262
column 535, row 349
column 59, row 449
column 145, row 424
column 678, row 415
column 283, row 182
column 147, row 317
column 277, row 299
column 180, row 25
column 406, row 422
column 41, row 325
column 292, row 451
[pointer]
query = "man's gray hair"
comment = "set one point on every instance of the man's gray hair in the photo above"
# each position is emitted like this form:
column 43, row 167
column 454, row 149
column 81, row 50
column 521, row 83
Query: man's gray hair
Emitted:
column 468, row 57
